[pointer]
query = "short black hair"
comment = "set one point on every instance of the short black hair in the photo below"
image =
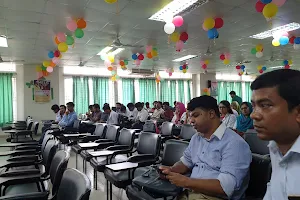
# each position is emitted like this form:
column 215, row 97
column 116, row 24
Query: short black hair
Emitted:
column 54, row 107
column 166, row 104
column 138, row 104
column 96, row 106
column 70, row 104
column 119, row 104
column 123, row 108
column 106, row 107
column 227, row 105
column 91, row 107
column 63, row 106
column 287, row 82
column 232, row 93
column 130, row 105
column 147, row 103
column 204, row 102
column 159, row 102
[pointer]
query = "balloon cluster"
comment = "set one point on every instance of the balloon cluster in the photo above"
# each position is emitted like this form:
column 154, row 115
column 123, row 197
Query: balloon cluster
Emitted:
column 123, row 64
column 287, row 64
column 240, row 69
column 206, row 91
column 261, row 69
column 76, row 26
column 43, row 71
column 295, row 41
column 258, row 51
column 204, row 64
column 157, row 78
column 280, row 38
column 151, row 52
column 184, row 68
column 114, row 75
column 110, row 1
column 225, row 57
column 138, row 58
column 170, row 71
column 268, row 8
column 211, row 25
column 179, row 39
column 172, row 23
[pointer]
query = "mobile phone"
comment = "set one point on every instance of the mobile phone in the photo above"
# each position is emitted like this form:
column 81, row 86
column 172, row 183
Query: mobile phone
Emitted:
column 294, row 197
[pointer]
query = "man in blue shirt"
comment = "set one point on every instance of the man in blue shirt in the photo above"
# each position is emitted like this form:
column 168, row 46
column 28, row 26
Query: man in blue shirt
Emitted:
column 69, row 117
column 217, row 157
column 276, row 117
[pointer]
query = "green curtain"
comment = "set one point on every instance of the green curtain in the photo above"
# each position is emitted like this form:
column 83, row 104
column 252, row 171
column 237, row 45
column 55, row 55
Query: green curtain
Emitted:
column 181, row 91
column 189, row 91
column 224, row 88
column 147, row 90
column 81, row 94
column 100, row 90
column 128, row 91
column 248, row 92
column 6, row 99
column 168, row 91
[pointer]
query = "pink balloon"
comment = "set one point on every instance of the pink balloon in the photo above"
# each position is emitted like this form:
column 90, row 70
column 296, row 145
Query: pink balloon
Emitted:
column 204, row 27
column 61, row 37
column 39, row 74
column 148, row 48
column 179, row 45
column 55, row 60
column 279, row 3
column 138, row 62
column 227, row 56
column 72, row 25
column 49, row 69
column 178, row 21
column 170, row 74
column 107, row 63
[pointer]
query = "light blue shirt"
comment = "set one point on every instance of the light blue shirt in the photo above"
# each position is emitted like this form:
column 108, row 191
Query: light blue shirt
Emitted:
column 68, row 120
column 226, row 157
column 285, row 180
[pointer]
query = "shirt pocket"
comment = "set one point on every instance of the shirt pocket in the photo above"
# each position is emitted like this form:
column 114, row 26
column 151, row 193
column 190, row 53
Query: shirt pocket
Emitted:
column 215, row 159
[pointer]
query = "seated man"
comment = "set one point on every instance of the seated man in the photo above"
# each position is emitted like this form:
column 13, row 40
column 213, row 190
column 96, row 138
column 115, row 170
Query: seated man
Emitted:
column 132, row 111
column 95, row 117
column 90, row 112
column 118, row 107
column 217, row 157
column 158, row 111
column 69, row 117
column 168, row 114
column 141, row 117
column 104, row 116
column 113, row 116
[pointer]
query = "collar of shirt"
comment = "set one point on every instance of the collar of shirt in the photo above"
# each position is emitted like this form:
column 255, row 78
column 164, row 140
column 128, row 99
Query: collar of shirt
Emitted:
column 294, row 149
column 219, row 132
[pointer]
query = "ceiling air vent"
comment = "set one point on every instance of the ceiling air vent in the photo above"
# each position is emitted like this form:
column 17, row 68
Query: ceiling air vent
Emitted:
column 142, row 72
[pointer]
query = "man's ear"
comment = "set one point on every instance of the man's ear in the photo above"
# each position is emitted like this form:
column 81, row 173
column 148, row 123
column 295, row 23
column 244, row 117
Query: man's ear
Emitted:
column 212, row 114
column 297, row 112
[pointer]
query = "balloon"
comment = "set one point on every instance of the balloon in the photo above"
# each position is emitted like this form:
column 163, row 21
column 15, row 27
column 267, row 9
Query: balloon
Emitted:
column 61, row 37
column 184, row 71
column 72, row 25
column 46, row 63
column 292, row 40
column 209, row 23
column 55, row 60
column 226, row 61
column 238, row 67
column 222, row 57
column 259, row 67
column 43, row 68
column 253, row 51
column 179, row 45
column 259, row 6
column 170, row 73
column 50, row 54
column 297, row 40
column 63, row 47
column 107, row 63
column 275, row 43
column 259, row 54
column 212, row 33
column 240, row 74
column 169, row 28
column 178, row 21
column 279, row 3
column 284, row 40
column 113, row 73
column 122, row 63
column 149, row 55
column 56, row 40
column 227, row 55
column 286, row 67
column 261, row 71
column 184, row 36
column 290, row 62
column 56, row 53
column 81, row 23
column 266, row 1
column 126, row 62
column 259, row 47
column 110, row 68
column 111, row 58
column 134, row 56
column 52, row 64
column 103, row 56
column 148, row 48
column 204, row 66
column 206, row 62
column 70, row 40
column 175, row 37
column 204, row 27
column 285, row 62
column 181, row 68
column 49, row 69
column 138, row 62
column 141, row 57
column 243, row 67
column 154, row 53
column 110, row 1
column 38, row 69
column 79, row 33
column 45, row 73
column 219, row 23
column 270, row 10
column 264, row 68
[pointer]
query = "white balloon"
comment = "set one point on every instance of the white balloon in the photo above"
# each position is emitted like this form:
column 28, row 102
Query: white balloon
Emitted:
column 259, row 54
column 169, row 28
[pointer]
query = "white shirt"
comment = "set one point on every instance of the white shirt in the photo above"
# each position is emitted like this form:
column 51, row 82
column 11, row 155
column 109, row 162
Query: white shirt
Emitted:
column 58, row 117
column 157, row 113
column 235, row 112
column 113, row 118
column 285, row 180
column 229, row 120
column 132, row 114
column 142, row 115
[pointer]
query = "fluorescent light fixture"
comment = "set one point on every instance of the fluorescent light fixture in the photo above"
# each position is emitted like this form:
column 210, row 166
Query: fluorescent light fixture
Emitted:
column 3, row 42
column 117, row 51
column 175, row 7
column 285, row 28
column 276, row 67
column 105, row 50
column 184, row 58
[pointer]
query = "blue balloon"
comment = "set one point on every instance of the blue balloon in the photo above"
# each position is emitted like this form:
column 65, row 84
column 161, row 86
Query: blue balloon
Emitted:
column 181, row 68
column 266, row 1
column 134, row 56
column 212, row 33
column 283, row 40
column 264, row 68
column 243, row 67
column 285, row 62
column 297, row 40
column 51, row 54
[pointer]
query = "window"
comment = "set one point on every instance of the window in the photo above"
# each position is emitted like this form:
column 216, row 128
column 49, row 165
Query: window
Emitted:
column 6, row 100
column 242, row 89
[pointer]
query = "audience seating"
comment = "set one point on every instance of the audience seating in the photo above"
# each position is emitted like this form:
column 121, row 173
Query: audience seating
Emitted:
column 149, row 127
column 166, row 131
column 187, row 132
column 257, row 145
column 15, row 134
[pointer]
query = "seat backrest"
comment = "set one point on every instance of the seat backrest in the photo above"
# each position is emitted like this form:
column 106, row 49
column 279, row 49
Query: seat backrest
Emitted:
column 187, row 132
column 74, row 185
column 166, row 128
column 29, row 125
column 149, row 143
column 257, row 145
column 100, row 130
column 112, row 132
column 58, row 166
column 76, row 124
column 46, row 138
column 149, row 126
column 173, row 151
column 35, row 128
column 260, row 174
column 126, row 137
column 48, row 154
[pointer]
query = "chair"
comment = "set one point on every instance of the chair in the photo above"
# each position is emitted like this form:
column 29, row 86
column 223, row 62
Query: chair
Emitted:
column 187, row 132
column 166, row 131
column 257, row 145
column 15, row 134
column 149, row 127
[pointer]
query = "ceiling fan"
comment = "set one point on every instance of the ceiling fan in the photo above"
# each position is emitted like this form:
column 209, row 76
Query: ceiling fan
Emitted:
column 118, row 44
column 9, row 61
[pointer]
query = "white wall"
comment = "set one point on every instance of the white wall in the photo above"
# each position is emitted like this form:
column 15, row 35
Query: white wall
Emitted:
column 204, row 78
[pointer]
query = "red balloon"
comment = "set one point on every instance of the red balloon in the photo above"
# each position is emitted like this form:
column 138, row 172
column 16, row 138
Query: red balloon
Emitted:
column 204, row 66
column 56, row 53
column 261, row 71
column 184, row 36
column 286, row 67
column 238, row 67
column 292, row 39
column 259, row 6
column 219, row 22
column 222, row 57
column 141, row 57
column 183, row 66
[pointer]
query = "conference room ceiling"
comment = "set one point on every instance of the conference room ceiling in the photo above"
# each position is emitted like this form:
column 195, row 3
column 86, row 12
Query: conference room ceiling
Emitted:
column 31, row 25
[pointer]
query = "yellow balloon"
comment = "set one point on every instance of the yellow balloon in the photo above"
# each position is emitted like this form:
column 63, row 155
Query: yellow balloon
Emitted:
column 275, row 42
column 113, row 78
column 38, row 69
column 154, row 53
column 184, row 70
column 206, row 62
column 63, row 47
column 259, row 47
column 110, row 1
column 226, row 61
column 209, row 23
column 175, row 37
column 46, row 63
column 290, row 62
column 270, row 10
column 111, row 58
column 259, row 67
